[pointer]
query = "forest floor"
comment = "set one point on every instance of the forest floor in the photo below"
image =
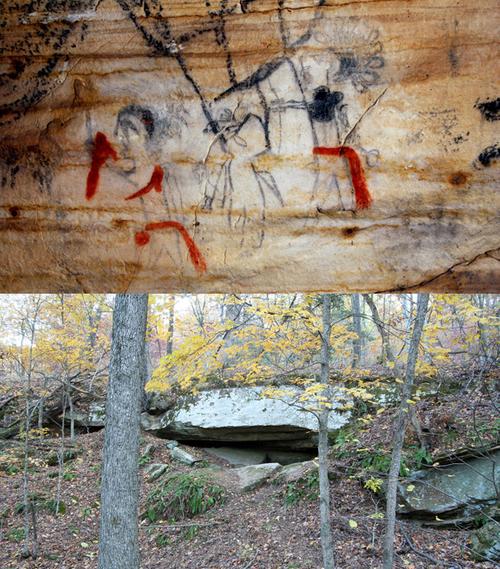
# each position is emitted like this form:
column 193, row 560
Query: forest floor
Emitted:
column 254, row 530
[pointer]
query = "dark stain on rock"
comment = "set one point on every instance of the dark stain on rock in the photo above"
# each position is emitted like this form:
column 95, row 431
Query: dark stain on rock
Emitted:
column 454, row 61
column 349, row 232
column 33, row 160
column 458, row 178
column 461, row 138
column 40, row 49
column 120, row 223
column 490, row 109
column 14, row 211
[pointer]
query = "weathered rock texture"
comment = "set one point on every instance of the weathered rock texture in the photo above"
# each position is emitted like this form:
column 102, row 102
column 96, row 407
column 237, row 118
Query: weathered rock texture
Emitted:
column 183, row 456
column 485, row 542
column 251, row 477
column 248, row 456
column 92, row 417
column 452, row 495
column 298, row 471
column 240, row 415
column 249, row 145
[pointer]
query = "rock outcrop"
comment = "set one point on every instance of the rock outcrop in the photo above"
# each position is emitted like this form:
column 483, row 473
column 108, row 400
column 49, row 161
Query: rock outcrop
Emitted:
column 240, row 415
column 238, row 456
column 453, row 494
column 92, row 417
column 485, row 542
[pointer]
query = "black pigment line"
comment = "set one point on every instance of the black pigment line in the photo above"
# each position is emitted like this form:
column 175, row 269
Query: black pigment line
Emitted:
column 265, row 124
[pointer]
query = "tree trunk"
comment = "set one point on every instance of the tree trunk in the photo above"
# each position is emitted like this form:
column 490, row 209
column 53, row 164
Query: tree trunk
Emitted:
column 407, row 307
column 146, row 396
column 72, row 415
column 27, row 550
column 171, row 324
column 356, row 320
column 386, row 353
column 118, row 545
column 60, row 454
column 324, row 485
column 399, row 430
column 41, row 407
column 94, row 321
column 233, row 311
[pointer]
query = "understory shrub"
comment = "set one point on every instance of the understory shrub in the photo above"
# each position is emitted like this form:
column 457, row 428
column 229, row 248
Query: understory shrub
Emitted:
column 181, row 496
column 304, row 489
column 42, row 502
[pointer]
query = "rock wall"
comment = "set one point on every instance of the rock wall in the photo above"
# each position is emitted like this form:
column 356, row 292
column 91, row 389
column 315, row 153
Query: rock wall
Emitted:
column 249, row 145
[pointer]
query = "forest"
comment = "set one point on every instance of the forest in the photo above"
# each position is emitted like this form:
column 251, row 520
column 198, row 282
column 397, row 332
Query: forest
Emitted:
column 271, row 431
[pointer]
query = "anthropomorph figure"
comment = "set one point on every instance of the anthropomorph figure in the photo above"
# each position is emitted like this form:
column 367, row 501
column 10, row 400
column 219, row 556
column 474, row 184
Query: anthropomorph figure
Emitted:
column 135, row 131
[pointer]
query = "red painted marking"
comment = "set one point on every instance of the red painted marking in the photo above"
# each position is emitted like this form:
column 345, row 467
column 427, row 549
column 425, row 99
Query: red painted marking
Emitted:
column 142, row 238
column 101, row 152
column 361, row 192
column 154, row 183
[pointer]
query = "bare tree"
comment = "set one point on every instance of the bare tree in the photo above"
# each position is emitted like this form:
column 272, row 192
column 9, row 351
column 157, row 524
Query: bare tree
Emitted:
column 400, row 429
column 171, row 324
column 324, row 485
column 356, row 320
column 29, row 324
column 119, row 543
column 198, row 306
column 386, row 353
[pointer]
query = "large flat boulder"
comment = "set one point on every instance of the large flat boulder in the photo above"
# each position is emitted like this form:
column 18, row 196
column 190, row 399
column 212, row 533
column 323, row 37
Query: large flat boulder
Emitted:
column 181, row 455
column 252, row 477
column 452, row 494
column 155, row 470
column 296, row 472
column 241, row 415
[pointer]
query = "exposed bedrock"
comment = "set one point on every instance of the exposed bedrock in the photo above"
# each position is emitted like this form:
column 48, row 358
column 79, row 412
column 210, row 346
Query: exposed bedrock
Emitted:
column 457, row 491
column 241, row 416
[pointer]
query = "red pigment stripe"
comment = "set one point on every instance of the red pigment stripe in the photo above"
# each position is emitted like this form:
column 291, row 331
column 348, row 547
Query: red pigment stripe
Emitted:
column 100, row 153
column 142, row 238
column 154, row 183
column 361, row 192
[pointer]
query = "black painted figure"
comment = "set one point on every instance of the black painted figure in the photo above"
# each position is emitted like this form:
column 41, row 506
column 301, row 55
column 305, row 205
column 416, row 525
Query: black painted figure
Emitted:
column 325, row 102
